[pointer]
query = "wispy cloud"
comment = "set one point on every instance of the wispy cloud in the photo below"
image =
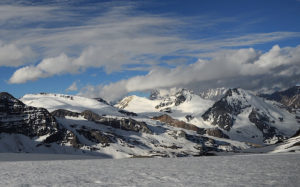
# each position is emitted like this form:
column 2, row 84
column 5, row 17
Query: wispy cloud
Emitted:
column 117, row 36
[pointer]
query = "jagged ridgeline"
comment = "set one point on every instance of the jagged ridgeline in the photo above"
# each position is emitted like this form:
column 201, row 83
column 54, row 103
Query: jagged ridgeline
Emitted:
column 27, row 124
column 235, row 113
column 34, row 129
column 168, row 124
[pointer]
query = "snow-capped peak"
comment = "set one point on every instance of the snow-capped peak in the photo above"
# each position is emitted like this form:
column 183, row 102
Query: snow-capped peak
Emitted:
column 124, row 102
column 214, row 93
column 161, row 94
column 69, row 102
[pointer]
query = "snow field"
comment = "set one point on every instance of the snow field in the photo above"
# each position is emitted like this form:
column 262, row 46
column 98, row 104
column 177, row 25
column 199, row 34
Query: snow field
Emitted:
column 243, row 170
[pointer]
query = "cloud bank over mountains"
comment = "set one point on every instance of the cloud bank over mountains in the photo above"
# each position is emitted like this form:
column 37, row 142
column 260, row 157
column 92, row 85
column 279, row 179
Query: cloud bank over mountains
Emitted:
column 244, row 67
column 43, row 41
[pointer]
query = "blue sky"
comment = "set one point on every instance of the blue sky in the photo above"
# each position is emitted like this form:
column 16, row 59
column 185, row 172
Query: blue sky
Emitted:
column 113, row 48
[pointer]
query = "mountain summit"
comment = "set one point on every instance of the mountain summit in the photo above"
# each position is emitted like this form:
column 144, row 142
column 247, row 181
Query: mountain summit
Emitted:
column 168, row 124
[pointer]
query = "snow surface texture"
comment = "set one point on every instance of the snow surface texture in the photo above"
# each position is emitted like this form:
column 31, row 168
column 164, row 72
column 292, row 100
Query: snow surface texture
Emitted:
column 245, row 170
column 73, row 103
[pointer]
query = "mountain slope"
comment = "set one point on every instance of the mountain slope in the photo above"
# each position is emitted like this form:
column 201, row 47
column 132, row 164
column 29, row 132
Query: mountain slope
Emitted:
column 181, row 104
column 239, row 114
column 242, row 114
column 289, row 97
column 30, row 129
column 73, row 103
column 174, row 124
column 92, row 132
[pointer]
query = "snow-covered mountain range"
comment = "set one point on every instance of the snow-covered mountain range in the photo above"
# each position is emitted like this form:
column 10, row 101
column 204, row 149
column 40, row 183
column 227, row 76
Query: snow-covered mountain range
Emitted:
column 239, row 114
column 167, row 124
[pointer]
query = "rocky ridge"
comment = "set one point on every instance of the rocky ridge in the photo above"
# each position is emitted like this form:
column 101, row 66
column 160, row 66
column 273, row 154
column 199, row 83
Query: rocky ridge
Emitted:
column 87, row 132
column 236, row 103
column 18, row 118
column 224, row 111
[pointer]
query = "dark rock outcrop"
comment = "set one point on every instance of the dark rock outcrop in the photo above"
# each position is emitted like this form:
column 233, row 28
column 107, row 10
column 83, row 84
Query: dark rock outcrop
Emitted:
column 91, row 116
column 177, row 123
column 189, row 117
column 127, row 113
column 179, row 99
column 262, row 122
column 154, row 95
column 216, row 133
column 62, row 113
column 175, row 99
column 164, row 104
column 127, row 124
column 223, row 112
column 102, row 100
column 64, row 136
column 18, row 118
column 95, row 135
column 167, row 110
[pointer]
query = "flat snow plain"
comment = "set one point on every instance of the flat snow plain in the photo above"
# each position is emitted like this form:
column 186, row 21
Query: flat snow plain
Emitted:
column 237, row 170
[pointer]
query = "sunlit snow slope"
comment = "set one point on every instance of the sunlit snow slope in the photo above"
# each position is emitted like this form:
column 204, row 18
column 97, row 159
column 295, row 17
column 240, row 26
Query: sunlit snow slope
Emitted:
column 73, row 103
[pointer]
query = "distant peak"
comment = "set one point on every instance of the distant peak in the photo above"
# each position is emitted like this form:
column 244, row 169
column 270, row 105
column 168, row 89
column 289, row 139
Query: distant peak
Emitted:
column 163, row 93
column 154, row 94
column 230, row 91
column 213, row 93
column 6, row 95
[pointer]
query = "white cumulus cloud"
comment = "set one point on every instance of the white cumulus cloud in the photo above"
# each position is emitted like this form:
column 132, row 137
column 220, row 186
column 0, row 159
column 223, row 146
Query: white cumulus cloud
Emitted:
column 117, row 36
column 48, row 67
column 12, row 55
column 242, row 67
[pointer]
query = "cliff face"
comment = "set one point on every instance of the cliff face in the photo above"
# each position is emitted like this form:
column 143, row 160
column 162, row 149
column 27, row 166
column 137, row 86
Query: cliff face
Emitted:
column 223, row 113
column 239, row 112
column 16, row 118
